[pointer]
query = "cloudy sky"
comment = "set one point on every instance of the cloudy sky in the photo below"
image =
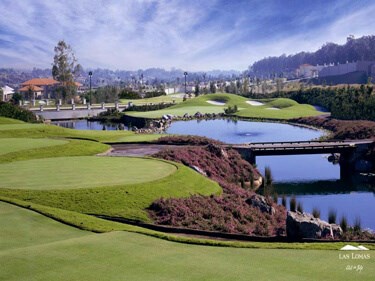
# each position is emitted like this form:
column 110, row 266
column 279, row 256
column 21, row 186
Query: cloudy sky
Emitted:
column 189, row 34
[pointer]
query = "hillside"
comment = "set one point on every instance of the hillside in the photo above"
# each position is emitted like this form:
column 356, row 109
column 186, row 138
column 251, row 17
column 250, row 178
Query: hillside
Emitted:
column 354, row 50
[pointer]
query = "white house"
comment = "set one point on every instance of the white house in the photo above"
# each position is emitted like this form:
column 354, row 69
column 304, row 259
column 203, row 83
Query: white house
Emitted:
column 7, row 93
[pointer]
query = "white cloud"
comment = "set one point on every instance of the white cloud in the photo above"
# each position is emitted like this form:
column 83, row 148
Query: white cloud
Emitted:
column 140, row 34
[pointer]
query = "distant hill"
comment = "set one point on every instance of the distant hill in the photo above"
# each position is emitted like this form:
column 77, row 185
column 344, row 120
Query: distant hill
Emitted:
column 102, row 77
column 354, row 50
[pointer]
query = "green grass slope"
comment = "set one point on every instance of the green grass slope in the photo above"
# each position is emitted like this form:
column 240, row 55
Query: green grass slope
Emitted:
column 125, row 200
column 27, row 130
column 280, row 108
column 22, row 228
column 70, row 148
column 61, row 253
column 5, row 120
column 160, row 99
column 9, row 145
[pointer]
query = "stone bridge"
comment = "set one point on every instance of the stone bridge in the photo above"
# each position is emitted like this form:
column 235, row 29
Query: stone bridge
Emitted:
column 73, row 111
column 350, row 151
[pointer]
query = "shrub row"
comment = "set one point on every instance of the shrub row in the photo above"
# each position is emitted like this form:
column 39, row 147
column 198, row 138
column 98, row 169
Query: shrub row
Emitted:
column 228, row 212
column 13, row 111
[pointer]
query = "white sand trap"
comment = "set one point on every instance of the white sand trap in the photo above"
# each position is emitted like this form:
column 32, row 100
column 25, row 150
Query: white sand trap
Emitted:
column 254, row 103
column 215, row 102
column 273, row 108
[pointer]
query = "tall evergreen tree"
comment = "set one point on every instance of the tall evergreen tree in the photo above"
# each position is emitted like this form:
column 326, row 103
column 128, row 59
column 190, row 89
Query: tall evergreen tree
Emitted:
column 64, row 69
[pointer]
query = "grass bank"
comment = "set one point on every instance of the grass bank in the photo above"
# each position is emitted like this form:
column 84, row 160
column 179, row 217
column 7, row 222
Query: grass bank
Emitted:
column 279, row 108
column 63, row 253
column 27, row 130
column 125, row 199
column 97, row 225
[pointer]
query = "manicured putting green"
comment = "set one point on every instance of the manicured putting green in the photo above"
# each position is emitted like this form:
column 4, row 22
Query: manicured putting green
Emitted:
column 81, row 172
column 17, row 144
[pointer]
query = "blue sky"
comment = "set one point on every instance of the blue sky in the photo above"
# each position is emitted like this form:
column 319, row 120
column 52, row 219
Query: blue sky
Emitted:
column 191, row 35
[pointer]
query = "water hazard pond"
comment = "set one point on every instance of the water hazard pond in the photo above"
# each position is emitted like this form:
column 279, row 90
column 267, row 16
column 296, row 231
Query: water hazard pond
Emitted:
column 311, row 178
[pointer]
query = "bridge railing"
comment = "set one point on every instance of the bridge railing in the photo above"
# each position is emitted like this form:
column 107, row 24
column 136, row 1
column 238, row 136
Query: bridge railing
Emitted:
column 297, row 142
column 321, row 147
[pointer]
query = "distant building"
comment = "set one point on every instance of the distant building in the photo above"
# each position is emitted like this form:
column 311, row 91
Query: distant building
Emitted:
column 42, row 87
column 178, row 89
column 307, row 71
column 7, row 93
column 31, row 92
column 366, row 67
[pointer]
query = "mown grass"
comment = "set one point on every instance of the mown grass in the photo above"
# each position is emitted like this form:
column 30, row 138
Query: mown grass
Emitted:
column 161, row 99
column 5, row 120
column 124, row 200
column 81, row 172
column 130, row 256
column 10, row 145
column 42, row 131
column 94, row 224
column 71, row 148
column 287, row 108
column 177, row 111
column 22, row 228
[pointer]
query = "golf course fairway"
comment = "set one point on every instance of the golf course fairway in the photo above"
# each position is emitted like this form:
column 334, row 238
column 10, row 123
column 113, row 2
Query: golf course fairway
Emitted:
column 65, row 253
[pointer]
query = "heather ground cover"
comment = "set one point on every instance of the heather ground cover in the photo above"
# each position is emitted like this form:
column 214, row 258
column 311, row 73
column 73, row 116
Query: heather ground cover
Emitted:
column 279, row 108
column 48, row 250
column 230, row 212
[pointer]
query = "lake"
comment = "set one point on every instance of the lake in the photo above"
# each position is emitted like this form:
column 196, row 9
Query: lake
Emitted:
column 87, row 125
column 311, row 178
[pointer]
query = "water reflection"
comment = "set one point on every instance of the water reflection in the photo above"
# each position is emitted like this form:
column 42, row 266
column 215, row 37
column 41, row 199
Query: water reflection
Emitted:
column 90, row 125
column 312, row 178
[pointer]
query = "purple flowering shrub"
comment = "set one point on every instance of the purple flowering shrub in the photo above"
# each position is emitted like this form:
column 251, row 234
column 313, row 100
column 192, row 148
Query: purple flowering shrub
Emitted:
column 228, row 212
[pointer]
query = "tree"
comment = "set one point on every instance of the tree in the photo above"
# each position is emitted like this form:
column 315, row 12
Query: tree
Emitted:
column 212, row 87
column 2, row 98
column 196, row 91
column 65, row 68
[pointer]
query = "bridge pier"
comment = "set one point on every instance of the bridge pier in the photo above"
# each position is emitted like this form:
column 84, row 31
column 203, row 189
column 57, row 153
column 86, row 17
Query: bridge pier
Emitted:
column 247, row 154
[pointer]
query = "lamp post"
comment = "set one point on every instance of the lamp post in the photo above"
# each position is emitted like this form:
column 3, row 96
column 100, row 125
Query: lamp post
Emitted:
column 90, row 74
column 185, row 73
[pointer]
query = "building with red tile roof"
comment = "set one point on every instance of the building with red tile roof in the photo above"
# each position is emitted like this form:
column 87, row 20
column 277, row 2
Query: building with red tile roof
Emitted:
column 43, row 87
column 31, row 91
column 41, row 82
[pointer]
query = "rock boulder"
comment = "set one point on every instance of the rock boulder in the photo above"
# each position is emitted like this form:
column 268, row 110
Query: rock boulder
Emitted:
column 304, row 225
column 260, row 202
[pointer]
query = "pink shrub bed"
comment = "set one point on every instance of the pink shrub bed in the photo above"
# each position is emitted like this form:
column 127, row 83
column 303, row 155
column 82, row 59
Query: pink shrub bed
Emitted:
column 191, row 140
column 228, row 212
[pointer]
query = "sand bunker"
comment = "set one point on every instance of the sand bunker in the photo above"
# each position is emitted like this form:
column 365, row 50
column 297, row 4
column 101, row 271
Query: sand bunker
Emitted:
column 254, row 103
column 216, row 102
column 273, row 108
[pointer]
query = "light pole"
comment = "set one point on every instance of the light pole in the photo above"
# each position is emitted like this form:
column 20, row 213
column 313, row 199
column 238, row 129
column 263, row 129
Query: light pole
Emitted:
column 185, row 73
column 90, row 74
